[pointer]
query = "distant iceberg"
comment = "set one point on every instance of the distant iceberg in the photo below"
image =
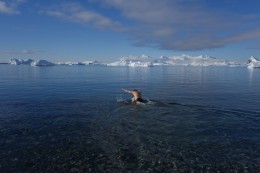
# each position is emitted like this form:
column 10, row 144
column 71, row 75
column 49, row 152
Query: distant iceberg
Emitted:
column 42, row 63
column 147, row 61
column 133, row 61
column 183, row 60
column 201, row 60
column 14, row 61
column 81, row 63
column 31, row 62
column 69, row 63
column 253, row 62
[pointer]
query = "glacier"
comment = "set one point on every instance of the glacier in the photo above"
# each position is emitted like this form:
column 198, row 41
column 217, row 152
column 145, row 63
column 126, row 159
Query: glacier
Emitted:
column 253, row 62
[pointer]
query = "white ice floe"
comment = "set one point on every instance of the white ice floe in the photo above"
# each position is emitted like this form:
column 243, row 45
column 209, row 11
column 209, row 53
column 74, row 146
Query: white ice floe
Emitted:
column 42, row 63
column 253, row 62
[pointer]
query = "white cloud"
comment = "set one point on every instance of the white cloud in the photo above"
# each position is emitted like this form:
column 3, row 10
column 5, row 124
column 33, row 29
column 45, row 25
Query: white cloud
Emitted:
column 184, row 25
column 4, row 8
column 76, row 13
column 167, row 24
column 10, row 7
column 20, row 52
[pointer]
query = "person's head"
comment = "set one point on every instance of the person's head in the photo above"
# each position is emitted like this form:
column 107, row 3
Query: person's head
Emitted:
column 136, row 90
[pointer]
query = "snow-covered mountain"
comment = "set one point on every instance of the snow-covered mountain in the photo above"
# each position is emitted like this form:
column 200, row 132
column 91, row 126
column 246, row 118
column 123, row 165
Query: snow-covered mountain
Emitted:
column 253, row 62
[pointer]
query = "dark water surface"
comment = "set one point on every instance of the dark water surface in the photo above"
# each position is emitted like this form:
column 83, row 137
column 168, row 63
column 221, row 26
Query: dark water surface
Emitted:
column 67, row 119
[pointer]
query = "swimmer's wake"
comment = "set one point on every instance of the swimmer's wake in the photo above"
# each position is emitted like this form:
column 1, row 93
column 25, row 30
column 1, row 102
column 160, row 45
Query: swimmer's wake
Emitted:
column 129, row 102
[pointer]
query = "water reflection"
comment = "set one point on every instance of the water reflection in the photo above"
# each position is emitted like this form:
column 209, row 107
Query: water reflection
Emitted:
column 67, row 120
column 251, row 74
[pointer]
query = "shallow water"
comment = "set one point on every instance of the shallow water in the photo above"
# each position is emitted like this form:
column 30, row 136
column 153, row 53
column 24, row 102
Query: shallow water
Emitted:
column 67, row 119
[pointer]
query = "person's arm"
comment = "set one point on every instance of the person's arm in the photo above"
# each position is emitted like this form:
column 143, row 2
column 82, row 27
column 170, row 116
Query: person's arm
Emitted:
column 127, row 91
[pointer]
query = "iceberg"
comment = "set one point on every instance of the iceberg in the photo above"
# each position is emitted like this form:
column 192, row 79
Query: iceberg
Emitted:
column 69, row 63
column 163, row 60
column 253, row 62
column 31, row 62
column 80, row 63
column 92, row 63
column 196, row 61
column 133, row 61
column 183, row 60
column 147, row 61
column 14, row 61
column 140, row 64
column 42, row 63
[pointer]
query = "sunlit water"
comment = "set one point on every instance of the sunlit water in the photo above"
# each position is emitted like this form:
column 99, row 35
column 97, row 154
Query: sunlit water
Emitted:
column 68, row 119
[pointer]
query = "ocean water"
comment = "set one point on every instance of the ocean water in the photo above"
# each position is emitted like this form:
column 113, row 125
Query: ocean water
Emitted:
column 68, row 119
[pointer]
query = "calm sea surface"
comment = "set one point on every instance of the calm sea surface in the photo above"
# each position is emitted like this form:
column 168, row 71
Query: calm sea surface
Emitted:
column 68, row 119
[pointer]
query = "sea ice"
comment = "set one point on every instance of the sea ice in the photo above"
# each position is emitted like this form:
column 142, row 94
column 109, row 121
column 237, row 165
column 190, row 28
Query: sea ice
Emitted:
column 253, row 62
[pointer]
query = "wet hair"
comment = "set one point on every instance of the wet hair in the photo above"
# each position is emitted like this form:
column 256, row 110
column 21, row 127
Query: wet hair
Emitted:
column 136, row 90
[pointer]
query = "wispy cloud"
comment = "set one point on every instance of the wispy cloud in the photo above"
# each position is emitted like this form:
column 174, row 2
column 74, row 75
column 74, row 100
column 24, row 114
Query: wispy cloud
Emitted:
column 168, row 24
column 20, row 52
column 74, row 12
column 189, row 25
column 254, row 47
column 10, row 7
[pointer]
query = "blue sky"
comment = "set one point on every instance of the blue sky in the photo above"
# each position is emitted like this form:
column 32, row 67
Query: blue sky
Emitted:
column 105, row 30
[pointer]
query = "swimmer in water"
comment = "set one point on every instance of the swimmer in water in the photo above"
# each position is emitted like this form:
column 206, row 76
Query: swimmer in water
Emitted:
column 136, row 93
